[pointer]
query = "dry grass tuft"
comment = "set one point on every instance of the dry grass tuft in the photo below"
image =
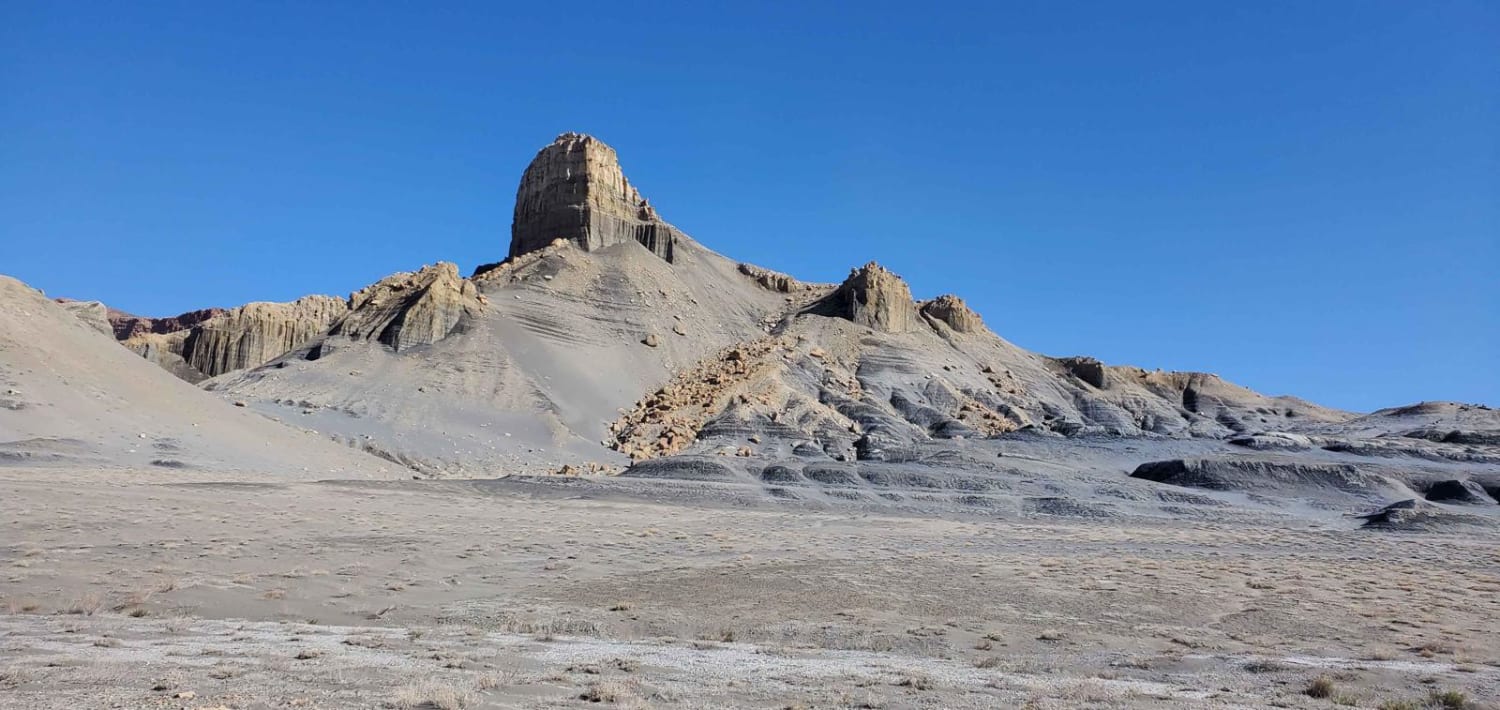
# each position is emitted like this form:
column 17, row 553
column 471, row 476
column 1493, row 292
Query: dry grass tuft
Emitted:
column 87, row 605
column 916, row 682
column 431, row 695
column 1448, row 700
column 616, row 692
column 1320, row 687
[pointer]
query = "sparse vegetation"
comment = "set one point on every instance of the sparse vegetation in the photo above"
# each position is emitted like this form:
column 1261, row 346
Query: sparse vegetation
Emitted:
column 915, row 682
column 223, row 672
column 1448, row 700
column 1320, row 687
column 617, row 692
column 87, row 605
column 431, row 695
column 489, row 681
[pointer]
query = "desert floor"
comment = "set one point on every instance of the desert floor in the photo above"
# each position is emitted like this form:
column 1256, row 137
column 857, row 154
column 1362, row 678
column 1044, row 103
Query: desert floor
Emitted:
column 159, row 589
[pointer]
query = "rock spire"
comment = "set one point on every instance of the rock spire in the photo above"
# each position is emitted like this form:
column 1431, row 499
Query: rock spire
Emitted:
column 574, row 189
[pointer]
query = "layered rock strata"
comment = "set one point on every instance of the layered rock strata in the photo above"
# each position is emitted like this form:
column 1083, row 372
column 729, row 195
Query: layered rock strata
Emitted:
column 873, row 297
column 953, row 312
column 574, row 189
column 127, row 325
column 410, row 309
column 247, row 336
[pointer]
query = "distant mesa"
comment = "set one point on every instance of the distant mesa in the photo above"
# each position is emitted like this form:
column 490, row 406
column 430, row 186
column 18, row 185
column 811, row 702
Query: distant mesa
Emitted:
column 574, row 190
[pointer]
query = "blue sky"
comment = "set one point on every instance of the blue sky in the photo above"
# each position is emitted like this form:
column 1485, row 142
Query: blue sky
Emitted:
column 1303, row 197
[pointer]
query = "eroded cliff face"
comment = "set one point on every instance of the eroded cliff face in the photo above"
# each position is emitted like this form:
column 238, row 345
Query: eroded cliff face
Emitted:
column 127, row 325
column 409, row 309
column 873, row 297
column 574, row 190
column 951, row 311
column 256, row 333
column 92, row 313
column 239, row 338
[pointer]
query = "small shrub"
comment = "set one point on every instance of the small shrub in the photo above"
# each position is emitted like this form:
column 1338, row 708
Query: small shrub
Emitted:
column 489, row 682
column 1448, row 700
column 916, row 682
column 1320, row 687
column 223, row 672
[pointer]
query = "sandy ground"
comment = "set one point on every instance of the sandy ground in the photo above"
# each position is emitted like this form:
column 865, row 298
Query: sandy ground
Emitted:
column 151, row 589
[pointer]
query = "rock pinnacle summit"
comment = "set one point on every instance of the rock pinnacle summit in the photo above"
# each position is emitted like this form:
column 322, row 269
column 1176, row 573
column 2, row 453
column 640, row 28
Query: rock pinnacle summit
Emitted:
column 574, row 189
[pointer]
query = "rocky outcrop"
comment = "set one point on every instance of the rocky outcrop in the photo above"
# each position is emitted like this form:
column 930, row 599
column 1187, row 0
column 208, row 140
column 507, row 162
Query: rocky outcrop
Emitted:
column 670, row 419
column 1457, row 491
column 574, row 189
column 1087, row 369
column 257, row 333
column 410, row 309
column 166, row 350
column 772, row 280
column 93, row 314
column 1270, row 476
column 239, row 338
column 1413, row 515
column 953, row 312
column 127, row 325
column 872, row 297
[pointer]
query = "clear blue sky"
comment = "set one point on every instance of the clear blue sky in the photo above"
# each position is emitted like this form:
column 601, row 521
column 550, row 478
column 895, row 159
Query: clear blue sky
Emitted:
column 1303, row 197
